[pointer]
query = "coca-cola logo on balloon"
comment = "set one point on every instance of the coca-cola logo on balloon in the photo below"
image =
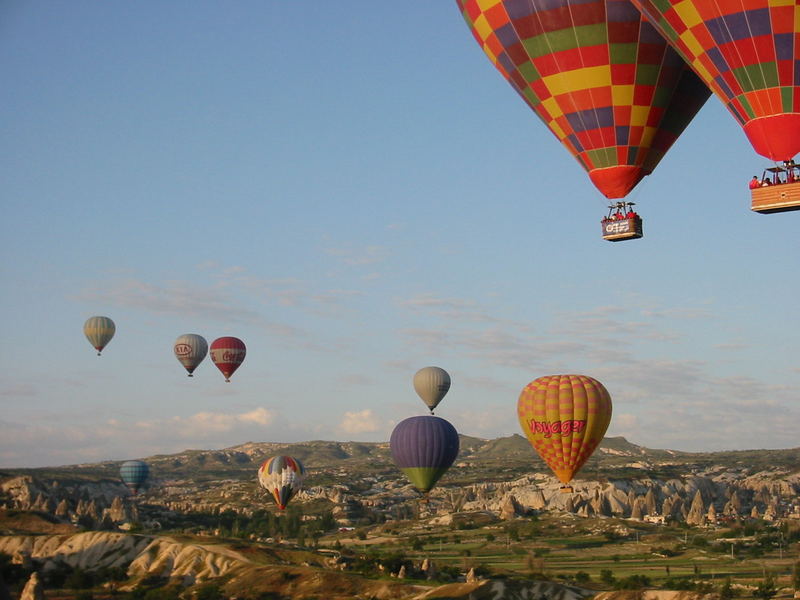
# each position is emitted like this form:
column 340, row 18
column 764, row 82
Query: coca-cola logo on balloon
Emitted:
column 228, row 355
column 563, row 427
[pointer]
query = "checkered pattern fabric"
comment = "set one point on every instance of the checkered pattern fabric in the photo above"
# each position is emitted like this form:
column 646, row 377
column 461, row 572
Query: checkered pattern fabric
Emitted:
column 596, row 73
column 748, row 53
column 564, row 418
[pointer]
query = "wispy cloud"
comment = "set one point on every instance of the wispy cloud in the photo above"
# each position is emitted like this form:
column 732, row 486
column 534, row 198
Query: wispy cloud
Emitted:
column 36, row 443
column 366, row 255
column 174, row 297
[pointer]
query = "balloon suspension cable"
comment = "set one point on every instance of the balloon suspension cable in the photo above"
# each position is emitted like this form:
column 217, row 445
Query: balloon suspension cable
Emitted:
column 619, row 209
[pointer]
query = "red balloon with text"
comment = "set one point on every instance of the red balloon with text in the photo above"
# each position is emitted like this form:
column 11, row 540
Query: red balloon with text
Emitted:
column 227, row 353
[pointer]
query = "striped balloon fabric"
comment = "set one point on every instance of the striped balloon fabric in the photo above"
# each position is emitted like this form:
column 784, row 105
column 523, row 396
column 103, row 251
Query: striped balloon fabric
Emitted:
column 424, row 448
column 748, row 53
column 564, row 418
column 282, row 477
column 134, row 474
column 432, row 385
column 99, row 331
column 228, row 353
column 190, row 350
column 598, row 75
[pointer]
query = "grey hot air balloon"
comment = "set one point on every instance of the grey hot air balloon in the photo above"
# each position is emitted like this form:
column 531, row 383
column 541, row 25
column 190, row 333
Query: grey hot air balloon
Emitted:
column 190, row 350
column 431, row 384
column 99, row 331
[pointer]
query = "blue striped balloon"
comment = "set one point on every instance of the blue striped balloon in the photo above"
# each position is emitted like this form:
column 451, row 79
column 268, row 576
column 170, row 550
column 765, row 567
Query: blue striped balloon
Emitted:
column 134, row 474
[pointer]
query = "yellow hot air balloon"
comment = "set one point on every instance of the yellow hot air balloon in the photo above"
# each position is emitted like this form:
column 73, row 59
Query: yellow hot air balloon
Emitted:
column 99, row 331
column 564, row 418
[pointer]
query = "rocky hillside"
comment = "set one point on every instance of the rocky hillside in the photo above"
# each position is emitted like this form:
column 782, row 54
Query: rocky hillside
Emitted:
column 248, row 571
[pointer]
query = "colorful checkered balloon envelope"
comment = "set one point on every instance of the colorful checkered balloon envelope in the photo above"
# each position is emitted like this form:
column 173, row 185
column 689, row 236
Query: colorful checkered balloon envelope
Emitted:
column 748, row 53
column 599, row 76
column 564, row 418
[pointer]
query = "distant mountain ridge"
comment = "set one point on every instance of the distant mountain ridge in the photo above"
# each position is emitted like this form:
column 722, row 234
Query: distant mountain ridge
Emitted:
column 615, row 454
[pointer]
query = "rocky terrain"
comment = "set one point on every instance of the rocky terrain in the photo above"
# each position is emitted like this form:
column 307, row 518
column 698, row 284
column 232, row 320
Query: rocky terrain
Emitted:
column 179, row 528
column 360, row 485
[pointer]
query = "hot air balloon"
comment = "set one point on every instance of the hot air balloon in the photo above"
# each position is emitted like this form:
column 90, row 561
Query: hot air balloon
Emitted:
column 99, row 331
column 281, row 476
column 134, row 474
column 599, row 76
column 564, row 418
column 424, row 448
column 190, row 350
column 431, row 384
column 228, row 353
column 748, row 53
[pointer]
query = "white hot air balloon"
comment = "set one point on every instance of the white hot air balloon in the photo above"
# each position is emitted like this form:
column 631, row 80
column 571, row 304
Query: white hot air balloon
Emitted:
column 190, row 350
column 431, row 384
column 99, row 331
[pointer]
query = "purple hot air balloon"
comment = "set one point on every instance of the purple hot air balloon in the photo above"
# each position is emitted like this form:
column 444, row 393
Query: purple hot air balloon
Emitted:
column 424, row 448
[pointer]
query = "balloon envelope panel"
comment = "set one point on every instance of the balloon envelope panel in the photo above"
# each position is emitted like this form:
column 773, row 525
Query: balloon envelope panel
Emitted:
column 424, row 448
column 228, row 353
column 282, row 477
column 134, row 474
column 597, row 74
column 748, row 53
column 564, row 418
column 190, row 350
column 99, row 331
column 431, row 384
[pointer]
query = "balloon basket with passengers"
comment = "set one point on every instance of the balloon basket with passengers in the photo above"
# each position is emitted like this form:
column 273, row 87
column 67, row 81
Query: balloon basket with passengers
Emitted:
column 778, row 190
column 621, row 223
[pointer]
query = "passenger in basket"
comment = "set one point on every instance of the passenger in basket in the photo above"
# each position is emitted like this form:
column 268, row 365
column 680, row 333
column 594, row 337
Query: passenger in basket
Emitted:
column 754, row 182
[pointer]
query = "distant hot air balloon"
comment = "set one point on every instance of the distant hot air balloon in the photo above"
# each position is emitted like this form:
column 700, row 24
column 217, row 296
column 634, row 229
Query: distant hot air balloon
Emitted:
column 599, row 76
column 431, row 384
column 228, row 353
column 424, row 448
column 190, row 350
column 564, row 418
column 99, row 331
column 134, row 474
column 748, row 53
column 282, row 476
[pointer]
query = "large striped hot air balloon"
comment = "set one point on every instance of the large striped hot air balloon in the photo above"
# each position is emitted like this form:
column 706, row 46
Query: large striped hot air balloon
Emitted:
column 190, row 350
column 600, row 77
column 564, row 418
column 431, row 384
column 99, row 331
column 134, row 474
column 424, row 448
column 748, row 53
column 282, row 477
column 228, row 353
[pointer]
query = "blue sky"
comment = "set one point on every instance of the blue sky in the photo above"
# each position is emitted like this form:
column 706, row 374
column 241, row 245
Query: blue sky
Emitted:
column 356, row 193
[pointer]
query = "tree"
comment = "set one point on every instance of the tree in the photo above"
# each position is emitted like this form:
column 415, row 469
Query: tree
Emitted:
column 726, row 591
column 606, row 576
column 766, row 588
